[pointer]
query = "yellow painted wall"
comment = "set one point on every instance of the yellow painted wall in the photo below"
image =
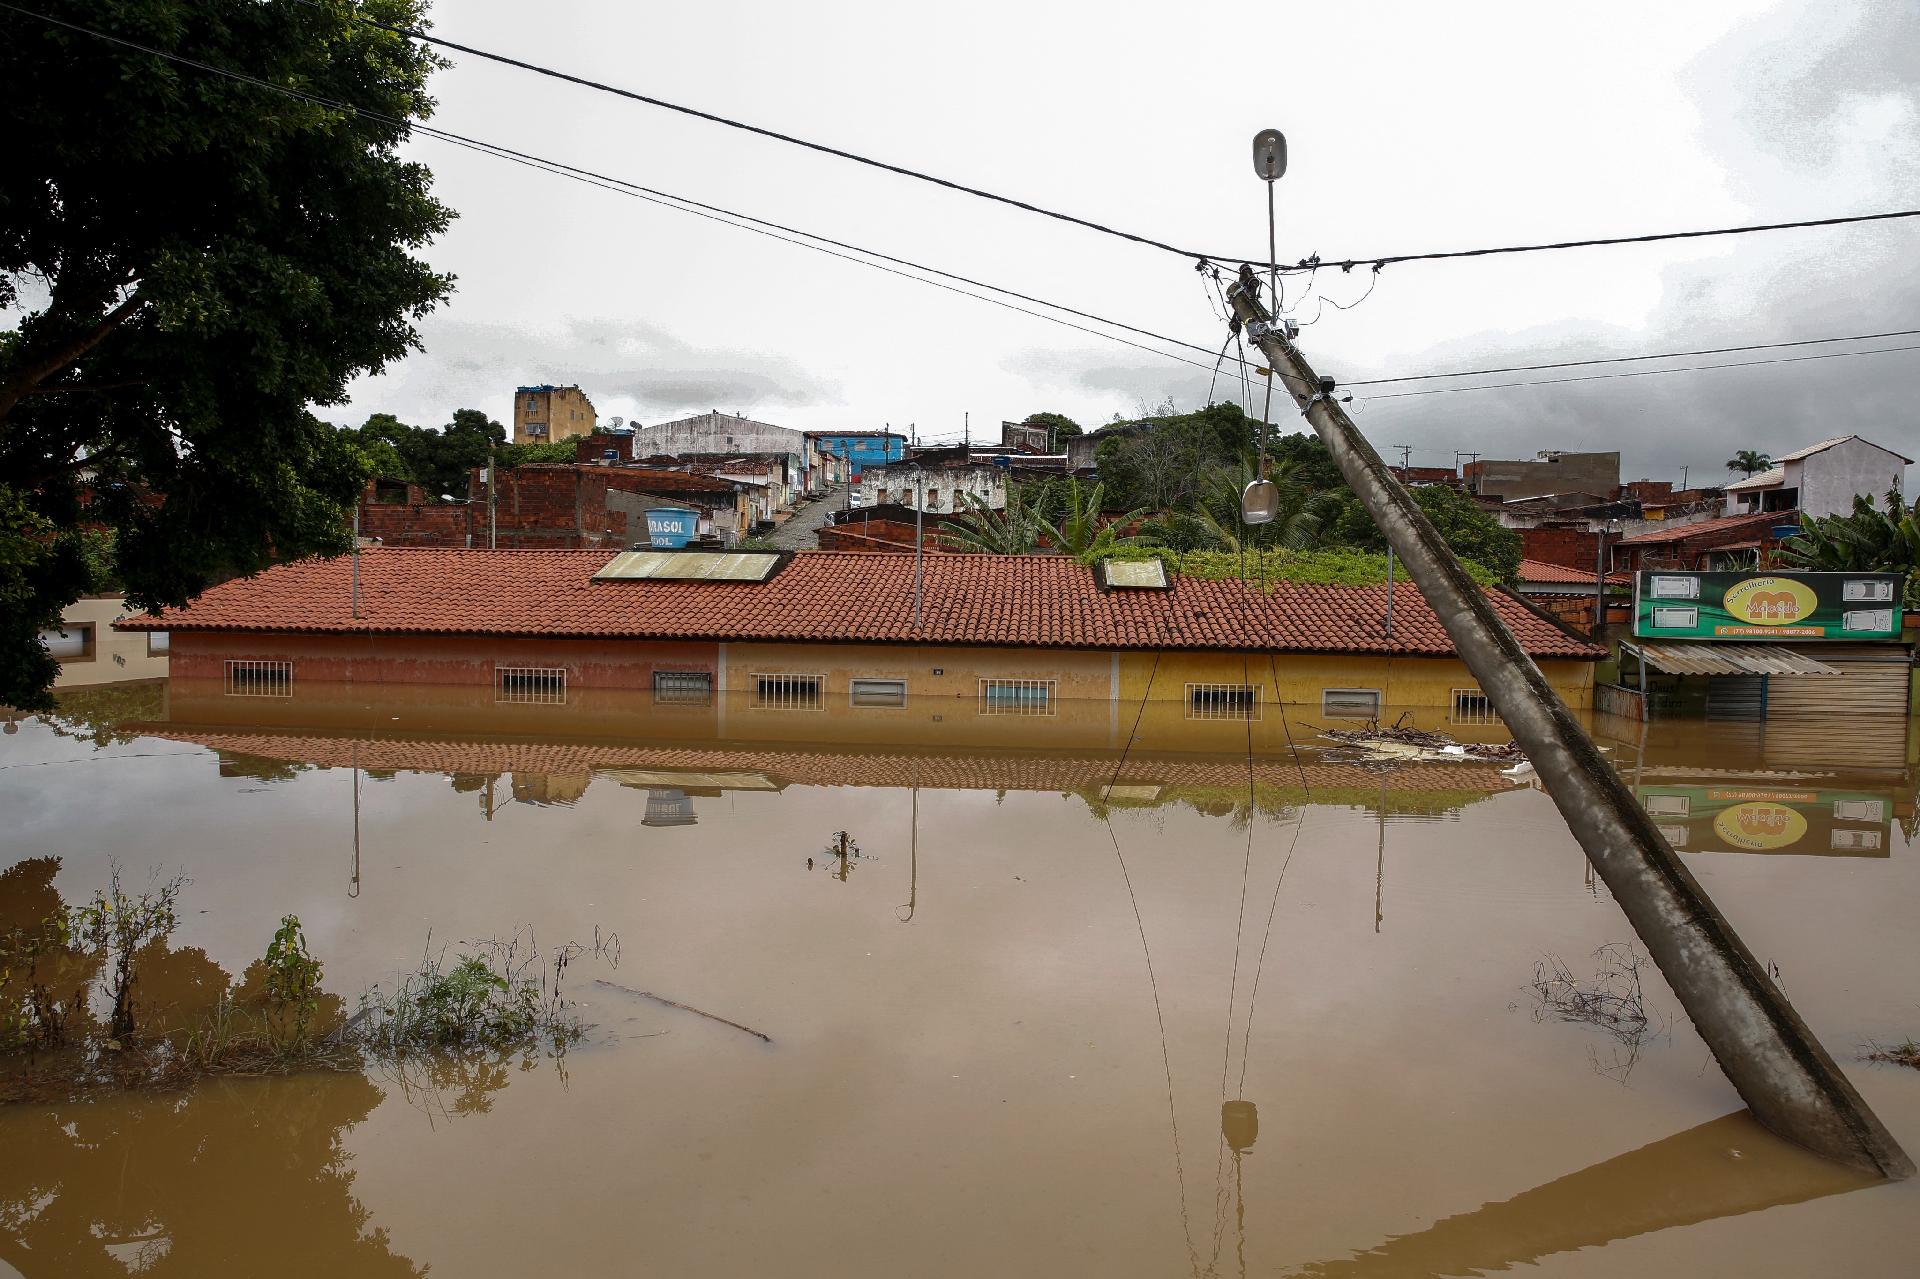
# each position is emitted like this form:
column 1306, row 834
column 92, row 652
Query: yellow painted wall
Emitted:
column 116, row 655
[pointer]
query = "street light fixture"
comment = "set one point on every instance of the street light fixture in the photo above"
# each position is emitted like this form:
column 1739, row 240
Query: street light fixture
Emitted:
column 1260, row 501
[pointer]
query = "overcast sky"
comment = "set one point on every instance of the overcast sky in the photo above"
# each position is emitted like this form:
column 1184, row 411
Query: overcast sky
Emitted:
column 1412, row 127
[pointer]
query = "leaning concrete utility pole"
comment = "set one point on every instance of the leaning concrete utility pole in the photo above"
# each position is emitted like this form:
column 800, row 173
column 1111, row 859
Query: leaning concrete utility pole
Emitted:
column 1767, row 1052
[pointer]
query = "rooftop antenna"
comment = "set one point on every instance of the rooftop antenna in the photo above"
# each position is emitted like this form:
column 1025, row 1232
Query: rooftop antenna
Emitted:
column 1260, row 502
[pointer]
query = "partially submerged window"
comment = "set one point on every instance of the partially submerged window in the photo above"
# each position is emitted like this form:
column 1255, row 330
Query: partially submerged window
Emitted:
column 789, row 692
column 69, row 641
column 1017, row 696
column 1350, row 703
column 877, row 692
column 546, row 684
column 159, row 643
column 1223, row 701
column 250, row 677
column 683, row 688
column 1471, row 706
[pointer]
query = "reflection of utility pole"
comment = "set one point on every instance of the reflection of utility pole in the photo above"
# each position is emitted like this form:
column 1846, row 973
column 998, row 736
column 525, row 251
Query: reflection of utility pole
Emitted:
column 1380, row 859
column 1240, row 1126
column 913, row 851
column 486, row 797
column 353, row 881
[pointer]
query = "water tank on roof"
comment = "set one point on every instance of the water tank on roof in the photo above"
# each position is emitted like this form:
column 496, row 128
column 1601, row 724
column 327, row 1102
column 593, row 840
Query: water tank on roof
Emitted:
column 672, row 527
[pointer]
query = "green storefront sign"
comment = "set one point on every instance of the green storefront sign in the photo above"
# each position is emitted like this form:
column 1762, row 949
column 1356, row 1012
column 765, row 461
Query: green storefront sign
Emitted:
column 1766, row 606
column 1733, row 817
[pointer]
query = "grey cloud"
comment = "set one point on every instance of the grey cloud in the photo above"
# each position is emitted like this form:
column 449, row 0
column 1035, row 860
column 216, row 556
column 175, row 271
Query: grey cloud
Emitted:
column 630, row 368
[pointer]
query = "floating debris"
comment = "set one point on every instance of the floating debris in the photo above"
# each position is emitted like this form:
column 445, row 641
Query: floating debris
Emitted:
column 1405, row 742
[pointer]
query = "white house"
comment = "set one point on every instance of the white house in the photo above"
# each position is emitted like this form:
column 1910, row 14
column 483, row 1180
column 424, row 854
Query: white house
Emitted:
column 1821, row 479
column 943, row 489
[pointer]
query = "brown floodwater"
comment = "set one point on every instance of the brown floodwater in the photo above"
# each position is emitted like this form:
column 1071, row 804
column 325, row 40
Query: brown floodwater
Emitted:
column 1076, row 1007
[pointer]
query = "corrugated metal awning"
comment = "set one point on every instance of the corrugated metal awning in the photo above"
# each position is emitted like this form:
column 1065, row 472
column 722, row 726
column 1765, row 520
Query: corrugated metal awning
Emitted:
column 1729, row 659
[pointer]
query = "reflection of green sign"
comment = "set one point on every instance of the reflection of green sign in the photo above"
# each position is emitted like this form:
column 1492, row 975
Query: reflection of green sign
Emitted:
column 1735, row 818
column 1767, row 606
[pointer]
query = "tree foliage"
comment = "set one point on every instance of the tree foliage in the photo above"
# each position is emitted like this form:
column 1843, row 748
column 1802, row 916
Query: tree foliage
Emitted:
column 1869, row 539
column 437, row 460
column 1471, row 532
column 1060, row 424
column 1748, row 461
column 187, row 262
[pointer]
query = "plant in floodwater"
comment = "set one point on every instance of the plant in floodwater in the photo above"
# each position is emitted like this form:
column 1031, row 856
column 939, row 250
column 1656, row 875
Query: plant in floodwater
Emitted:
column 1615, row 1001
column 500, row 998
column 115, row 927
column 293, row 979
column 1906, row 1054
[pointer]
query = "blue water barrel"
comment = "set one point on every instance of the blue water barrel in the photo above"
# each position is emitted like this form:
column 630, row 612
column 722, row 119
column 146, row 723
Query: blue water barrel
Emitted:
column 672, row 527
column 1785, row 531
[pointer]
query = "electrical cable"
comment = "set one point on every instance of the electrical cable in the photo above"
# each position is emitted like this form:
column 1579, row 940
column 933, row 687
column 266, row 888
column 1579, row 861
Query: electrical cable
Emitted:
column 1345, row 264
column 664, row 199
column 1602, row 377
column 1628, row 359
column 713, row 118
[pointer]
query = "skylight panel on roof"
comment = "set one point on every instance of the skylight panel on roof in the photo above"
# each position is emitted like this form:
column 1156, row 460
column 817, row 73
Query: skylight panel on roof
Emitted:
column 689, row 566
column 1136, row 575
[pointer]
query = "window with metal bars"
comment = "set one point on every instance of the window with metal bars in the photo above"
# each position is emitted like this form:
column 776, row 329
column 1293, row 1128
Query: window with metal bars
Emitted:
column 546, row 684
column 1223, row 701
column 784, row 692
column 1471, row 706
column 1017, row 696
column 249, row 677
column 683, row 688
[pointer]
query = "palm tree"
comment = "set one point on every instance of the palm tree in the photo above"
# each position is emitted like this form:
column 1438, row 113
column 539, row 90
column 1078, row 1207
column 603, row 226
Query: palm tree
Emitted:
column 1017, row 530
column 1747, row 461
column 1081, row 531
column 1295, row 526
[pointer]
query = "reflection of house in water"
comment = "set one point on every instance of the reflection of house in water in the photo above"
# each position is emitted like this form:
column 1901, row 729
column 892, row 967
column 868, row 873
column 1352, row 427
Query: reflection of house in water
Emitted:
column 668, row 807
column 549, row 788
column 1771, row 787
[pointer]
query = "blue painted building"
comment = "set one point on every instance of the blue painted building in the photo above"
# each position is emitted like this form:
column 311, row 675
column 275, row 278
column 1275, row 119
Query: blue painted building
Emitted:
column 862, row 448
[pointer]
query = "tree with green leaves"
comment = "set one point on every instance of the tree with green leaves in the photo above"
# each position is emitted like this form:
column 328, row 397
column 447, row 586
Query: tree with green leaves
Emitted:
column 1083, row 529
column 1869, row 539
column 438, row 460
column 1060, row 424
column 187, row 262
column 1014, row 530
column 1471, row 532
column 1748, row 461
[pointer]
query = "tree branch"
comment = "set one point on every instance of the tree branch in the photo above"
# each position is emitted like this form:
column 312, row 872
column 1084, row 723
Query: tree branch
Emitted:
column 60, row 356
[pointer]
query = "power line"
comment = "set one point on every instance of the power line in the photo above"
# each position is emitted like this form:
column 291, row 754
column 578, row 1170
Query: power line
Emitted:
column 1345, row 264
column 825, row 149
column 1691, row 368
column 1628, row 359
column 667, row 199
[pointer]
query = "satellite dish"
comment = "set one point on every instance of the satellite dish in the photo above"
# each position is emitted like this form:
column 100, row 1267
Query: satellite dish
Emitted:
column 1270, row 154
column 617, row 422
column 1260, row 502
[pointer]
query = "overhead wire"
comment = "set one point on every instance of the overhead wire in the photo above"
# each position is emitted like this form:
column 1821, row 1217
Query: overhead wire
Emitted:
column 665, row 199
column 1633, row 373
column 776, row 135
column 1629, row 359
column 1087, row 223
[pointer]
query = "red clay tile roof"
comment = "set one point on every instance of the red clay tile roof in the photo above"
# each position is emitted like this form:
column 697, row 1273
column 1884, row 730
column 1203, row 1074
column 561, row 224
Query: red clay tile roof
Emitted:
column 1558, row 574
column 830, row 596
column 1681, row 532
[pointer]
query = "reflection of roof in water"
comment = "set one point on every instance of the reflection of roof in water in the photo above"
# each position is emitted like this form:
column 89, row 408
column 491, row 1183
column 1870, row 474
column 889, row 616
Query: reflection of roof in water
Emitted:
column 937, row 771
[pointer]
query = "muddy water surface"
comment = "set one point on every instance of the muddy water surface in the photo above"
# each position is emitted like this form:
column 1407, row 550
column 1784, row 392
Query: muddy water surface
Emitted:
column 1066, row 1012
